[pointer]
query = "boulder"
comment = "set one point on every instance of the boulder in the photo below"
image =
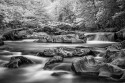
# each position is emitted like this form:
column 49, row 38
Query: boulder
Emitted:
column 18, row 61
column 51, row 62
column 79, row 52
column 64, row 53
column 111, row 71
column 120, row 62
column 73, row 52
column 63, row 66
column 109, row 56
column 50, row 66
column 55, row 59
column 47, row 53
column 115, row 47
column 89, row 66
column 82, row 36
column 86, row 65
column 70, row 38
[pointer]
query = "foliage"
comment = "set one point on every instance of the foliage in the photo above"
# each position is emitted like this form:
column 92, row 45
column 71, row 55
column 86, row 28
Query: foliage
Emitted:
column 97, row 15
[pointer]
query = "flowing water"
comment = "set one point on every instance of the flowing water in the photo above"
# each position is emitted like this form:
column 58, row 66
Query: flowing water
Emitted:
column 35, row 73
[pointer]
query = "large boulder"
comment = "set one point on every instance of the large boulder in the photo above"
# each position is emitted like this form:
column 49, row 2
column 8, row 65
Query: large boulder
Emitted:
column 120, row 59
column 111, row 71
column 18, row 61
column 86, row 65
column 89, row 66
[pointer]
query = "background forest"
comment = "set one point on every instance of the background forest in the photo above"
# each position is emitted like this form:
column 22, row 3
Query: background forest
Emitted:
column 86, row 15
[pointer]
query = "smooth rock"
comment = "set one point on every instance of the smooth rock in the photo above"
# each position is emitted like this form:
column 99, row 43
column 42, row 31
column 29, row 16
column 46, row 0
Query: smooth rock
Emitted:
column 18, row 61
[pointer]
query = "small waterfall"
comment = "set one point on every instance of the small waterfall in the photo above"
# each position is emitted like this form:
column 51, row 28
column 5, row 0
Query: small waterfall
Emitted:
column 98, row 38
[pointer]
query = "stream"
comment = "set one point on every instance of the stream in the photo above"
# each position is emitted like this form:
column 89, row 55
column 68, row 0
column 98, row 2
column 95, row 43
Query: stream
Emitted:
column 34, row 73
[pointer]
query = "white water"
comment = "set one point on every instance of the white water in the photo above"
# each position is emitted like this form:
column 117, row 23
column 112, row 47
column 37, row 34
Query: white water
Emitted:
column 98, row 38
column 32, row 73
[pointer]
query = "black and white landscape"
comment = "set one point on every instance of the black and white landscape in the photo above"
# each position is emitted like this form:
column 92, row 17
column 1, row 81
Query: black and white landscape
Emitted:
column 62, row 41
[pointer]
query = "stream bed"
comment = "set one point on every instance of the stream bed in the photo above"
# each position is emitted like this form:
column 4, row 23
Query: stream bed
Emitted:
column 35, row 73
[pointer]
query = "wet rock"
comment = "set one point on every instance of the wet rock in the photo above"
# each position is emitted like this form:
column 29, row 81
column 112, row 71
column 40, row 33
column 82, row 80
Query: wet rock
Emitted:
column 70, row 38
column 115, row 47
column 91, row 37
column 64, row 53
column 111, row 71
column 102, row 37
column 50, row 66
column 55, row 59
column 89, row 66
column 109, row 56
column 120, row 62
column 79, row 52
column 73, row 52
column 18, row 61
column 86, row 65
column 63, row 66
column 82, row 36
column 47, row 53
column 57, row 39
column 59, row 73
